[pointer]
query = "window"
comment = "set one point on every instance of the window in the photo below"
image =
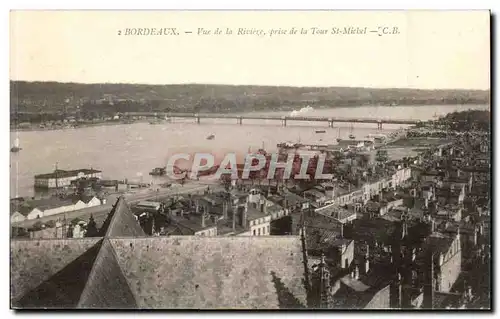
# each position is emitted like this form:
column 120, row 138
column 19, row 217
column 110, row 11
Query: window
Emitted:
column 254, row 232
column 259, row 231
column 268, row 230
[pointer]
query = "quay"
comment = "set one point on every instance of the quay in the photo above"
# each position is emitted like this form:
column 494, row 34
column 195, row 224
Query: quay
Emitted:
column 283, row 119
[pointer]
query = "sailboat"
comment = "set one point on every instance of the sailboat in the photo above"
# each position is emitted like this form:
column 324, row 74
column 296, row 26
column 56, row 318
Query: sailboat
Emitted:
column 351, row 136
column 16, row 148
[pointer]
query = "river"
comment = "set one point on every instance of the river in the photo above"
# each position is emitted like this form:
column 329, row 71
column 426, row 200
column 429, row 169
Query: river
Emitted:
column 132, row 150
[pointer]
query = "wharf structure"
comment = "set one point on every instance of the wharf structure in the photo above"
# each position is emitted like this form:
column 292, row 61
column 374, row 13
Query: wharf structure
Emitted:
column 62, row 178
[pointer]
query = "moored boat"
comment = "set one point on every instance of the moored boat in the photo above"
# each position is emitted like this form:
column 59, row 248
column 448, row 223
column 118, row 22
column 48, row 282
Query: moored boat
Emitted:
column 16, row 148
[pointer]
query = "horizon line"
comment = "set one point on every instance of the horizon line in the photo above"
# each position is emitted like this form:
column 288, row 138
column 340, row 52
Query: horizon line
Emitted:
column 254, row 85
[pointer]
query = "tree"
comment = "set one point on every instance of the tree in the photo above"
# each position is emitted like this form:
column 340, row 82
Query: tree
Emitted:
column 50, row 224
column 382, row 156
column 37, row 226
column 69, row 234
column 91, row 228
column 364, row 160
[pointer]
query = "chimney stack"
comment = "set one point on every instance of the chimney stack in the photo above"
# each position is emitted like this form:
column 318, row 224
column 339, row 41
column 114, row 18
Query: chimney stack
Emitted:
column 367, row 265
column 234, row 217
column 404, row 231
column 225, row 206
column 203, row 220
column 341, row 230
column 243, row 219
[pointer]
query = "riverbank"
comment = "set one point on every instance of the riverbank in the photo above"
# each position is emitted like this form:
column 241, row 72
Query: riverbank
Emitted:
column 69, row 126
column 282, row 111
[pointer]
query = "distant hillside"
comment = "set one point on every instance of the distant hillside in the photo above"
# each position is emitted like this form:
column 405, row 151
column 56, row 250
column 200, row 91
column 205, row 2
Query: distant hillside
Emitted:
column 65, row 97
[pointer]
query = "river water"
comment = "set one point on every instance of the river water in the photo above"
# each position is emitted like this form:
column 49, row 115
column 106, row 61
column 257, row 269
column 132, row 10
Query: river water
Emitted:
column 132, row 150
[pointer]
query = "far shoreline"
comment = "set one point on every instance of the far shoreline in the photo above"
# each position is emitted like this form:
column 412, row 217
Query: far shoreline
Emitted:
column 290, row 109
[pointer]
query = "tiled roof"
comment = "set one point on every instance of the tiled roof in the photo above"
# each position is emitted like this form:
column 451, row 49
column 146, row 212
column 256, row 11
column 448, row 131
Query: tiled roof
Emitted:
column 34, row 261
column 439, row 243
column 125, row 270
column 222, row 272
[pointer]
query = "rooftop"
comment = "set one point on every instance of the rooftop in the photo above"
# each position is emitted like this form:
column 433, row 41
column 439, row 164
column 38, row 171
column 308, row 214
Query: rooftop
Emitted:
column 121, row 270
column 63, row 173
column 439, row 243
column 253, row 213
column 193, row 222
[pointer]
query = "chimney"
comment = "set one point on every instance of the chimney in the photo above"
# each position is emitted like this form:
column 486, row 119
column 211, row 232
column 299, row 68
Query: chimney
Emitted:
column 356, row 272
column 433, row 225
column 243, row 219
column 234, row 218
column 262, row 205
column 203, row 220
column 367, row 263
column 341, row 230
column 225, row 206
column 404, row 231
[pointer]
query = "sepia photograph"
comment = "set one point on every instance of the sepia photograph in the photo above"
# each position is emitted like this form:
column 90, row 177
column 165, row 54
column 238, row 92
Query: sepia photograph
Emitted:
column 250, row 160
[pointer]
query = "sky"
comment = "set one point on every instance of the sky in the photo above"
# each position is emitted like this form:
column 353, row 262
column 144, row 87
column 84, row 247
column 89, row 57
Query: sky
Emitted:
column 433, row 49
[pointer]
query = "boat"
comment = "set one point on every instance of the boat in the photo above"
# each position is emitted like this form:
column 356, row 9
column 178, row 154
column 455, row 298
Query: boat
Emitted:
column 16, row 148
column 320, row 131
column 156, row 121
column 289, row 145
column 158, row 171
column 351, row 136
column 211, row 137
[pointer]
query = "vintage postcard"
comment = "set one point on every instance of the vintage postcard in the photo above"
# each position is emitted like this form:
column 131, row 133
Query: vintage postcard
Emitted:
column 250, row 160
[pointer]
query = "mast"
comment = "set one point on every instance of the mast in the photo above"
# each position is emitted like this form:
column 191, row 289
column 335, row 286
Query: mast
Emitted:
column 57, row 184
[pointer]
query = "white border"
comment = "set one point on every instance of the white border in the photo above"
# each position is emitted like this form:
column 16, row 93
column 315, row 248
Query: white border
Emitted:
column 190, row 4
